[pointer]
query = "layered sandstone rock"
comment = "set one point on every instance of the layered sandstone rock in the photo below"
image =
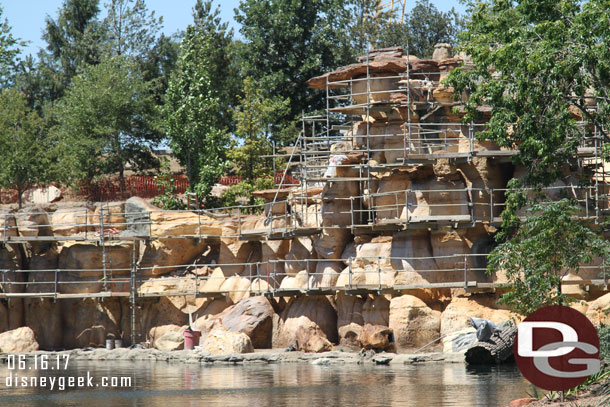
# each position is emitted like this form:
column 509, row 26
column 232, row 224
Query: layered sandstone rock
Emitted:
column 460, row 309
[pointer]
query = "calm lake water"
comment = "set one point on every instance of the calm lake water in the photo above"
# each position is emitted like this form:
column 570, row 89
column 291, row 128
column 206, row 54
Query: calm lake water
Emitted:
column 164, row 385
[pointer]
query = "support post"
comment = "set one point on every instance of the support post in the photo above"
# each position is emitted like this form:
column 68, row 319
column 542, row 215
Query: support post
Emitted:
column 102, row 242
column 349, row 273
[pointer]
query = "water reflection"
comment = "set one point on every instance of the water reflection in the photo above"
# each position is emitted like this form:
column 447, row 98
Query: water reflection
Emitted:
column 159, row 384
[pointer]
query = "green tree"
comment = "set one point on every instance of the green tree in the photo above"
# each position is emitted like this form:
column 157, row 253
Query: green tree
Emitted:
column 191, row 117
column 288, row 42
column 24, row 147
column 254, row 118
column 423, row 27
column 541, row 66
column 132, row 29
column 74, row 38
column 222, row 58
column 9, row 52
column 551, row 242
column 104, row 122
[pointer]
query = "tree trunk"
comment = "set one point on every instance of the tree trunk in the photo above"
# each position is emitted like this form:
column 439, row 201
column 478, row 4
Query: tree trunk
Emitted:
column 498, row 349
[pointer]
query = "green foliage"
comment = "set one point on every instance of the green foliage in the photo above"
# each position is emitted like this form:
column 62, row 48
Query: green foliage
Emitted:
column 24, row 148
column 222, row 58
column 74, row 39
column 550, row 242
column 241, row 194
column 536, row 63
column 9, row 52
column 168, row 199
column 288, row 42
column 424, row 27
column 131, row 28
column 104, row 122
column 254, row 118
column 604, row 342
column 191, row 113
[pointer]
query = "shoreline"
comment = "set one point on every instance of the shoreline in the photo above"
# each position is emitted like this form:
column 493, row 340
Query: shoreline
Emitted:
column 265, row 356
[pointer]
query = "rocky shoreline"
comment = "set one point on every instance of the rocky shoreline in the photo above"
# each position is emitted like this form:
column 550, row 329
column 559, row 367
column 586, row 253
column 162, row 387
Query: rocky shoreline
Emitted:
column 260, row 356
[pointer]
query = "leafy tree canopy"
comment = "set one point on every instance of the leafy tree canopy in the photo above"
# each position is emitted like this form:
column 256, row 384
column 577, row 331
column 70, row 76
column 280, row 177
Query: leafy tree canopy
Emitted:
column 551, row 242
column 105, row 121
column 191, row 117
column 24, row 147
column 253, row 122
column 541, row 66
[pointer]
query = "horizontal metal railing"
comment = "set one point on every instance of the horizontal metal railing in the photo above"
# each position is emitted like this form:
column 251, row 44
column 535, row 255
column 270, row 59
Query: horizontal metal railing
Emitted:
column 274, row 277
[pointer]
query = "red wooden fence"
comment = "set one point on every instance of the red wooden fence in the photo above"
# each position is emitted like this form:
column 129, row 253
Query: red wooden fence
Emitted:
column 143, row 186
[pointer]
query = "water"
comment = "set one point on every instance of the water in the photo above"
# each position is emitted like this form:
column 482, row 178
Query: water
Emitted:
column 161, row 384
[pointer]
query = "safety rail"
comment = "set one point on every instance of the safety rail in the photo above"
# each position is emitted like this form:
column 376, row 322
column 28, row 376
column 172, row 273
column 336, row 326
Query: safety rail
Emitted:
column 277, row 277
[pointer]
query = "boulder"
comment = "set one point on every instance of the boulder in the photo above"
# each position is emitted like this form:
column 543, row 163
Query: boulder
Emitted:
column 305, row 312
column 414, row 324
column 349, row 318
column 42, row 195
column 20, row 340
column 223, row 342
column 252, row 316
column 312, row 339
column 331, row 242
column 114, row 218
column 168, row 337
column 442, row 51
column 144, row 219
column 457, row 314
column 236, row 288
column 598, row 311
column 376, row 337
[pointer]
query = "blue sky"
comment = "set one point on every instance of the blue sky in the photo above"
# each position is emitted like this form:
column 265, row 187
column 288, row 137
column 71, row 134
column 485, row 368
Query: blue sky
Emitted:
column 27, row 17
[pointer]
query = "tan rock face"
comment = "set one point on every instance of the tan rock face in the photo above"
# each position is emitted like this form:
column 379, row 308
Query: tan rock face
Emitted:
column 301, row 248
column 331, row 242
column 33, row 221
column 88, row 257
column 414, row 324
column 113, row 220
column 376, row 311
column 72, row 221
column 375, row 337
column 326, row 274
column 20, row 340
column 222, row 342
column 315, row 312
column 159, row 256
column 458, row 312
column 157, row 312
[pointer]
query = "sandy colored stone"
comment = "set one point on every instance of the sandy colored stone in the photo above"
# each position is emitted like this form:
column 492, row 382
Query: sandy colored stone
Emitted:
column 162, row 256
column 460, row 309
column 314, row 311
column 167, row 337
column 312, row 339
column 221, row 341
column 20, row 340
column 597, row 311
column 375, row 337
column 414, row 324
